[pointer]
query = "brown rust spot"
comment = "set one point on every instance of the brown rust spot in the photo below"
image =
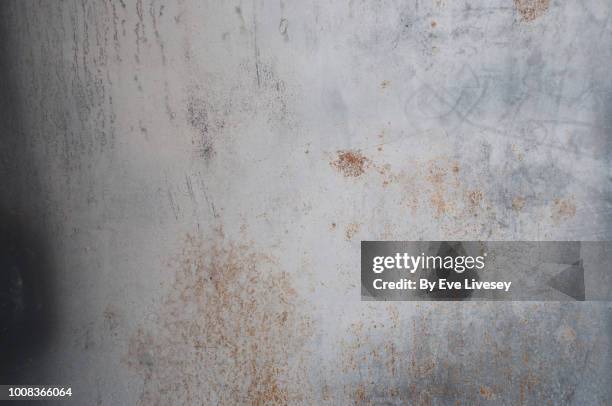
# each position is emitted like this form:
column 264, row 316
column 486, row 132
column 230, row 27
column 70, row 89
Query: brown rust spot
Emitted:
column 435, row 186
column 566, row 334
column 360, row 395
column 563, row 209
column 227, row 331
column 486, row 392
column 381, row 138
column 444, row 183
column 325, row 395
column 433, row 24
column 436, row 174
column 531, row 9
column 351, row 230
column 475, row 197
column 518, row 203
column 351, row 163
column 393, row 315
column 438, row 203
column 525, row 358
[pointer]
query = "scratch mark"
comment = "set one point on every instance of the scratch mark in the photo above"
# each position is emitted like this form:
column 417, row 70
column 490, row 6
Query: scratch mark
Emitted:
column 256, row 48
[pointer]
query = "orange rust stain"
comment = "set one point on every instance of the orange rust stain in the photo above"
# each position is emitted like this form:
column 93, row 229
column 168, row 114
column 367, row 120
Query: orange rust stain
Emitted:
column 351, row 230
column 360, row 395
column 475, row 197
column 531, row 9
column 436, row 174
column 226, row 332
column 435, row 185
column 438, row 203
column 392, row 360
column 386, row 172
column 351, row 163
column 486, row 392
column 394, row 315
column 526, row 358
column 563, row 209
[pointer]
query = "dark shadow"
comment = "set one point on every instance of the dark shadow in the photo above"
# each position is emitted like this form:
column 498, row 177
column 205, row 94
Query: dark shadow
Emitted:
column 26, row 288
column 25, row 301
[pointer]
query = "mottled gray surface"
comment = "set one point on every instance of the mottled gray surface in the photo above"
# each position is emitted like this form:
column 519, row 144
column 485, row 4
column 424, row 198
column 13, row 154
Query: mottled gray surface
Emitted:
column 180, row 163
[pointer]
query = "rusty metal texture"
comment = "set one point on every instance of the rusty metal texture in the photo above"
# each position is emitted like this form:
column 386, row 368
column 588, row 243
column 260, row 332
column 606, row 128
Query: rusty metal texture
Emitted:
column 195, row 177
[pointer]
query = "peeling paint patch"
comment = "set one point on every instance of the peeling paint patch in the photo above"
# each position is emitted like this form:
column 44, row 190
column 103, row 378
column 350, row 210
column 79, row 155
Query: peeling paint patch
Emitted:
column 531, row 9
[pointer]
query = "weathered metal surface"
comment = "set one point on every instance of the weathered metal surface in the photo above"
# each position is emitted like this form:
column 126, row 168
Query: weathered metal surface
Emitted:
column 200, row 175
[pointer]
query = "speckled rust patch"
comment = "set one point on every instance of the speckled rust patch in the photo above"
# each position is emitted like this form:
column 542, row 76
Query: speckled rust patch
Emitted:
column 563, row 209
column 229, row 331
column 351, row 163
column 531, row 9
column 351, row 230
column 436, row 187
column 475, row 197
column 440, row 179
